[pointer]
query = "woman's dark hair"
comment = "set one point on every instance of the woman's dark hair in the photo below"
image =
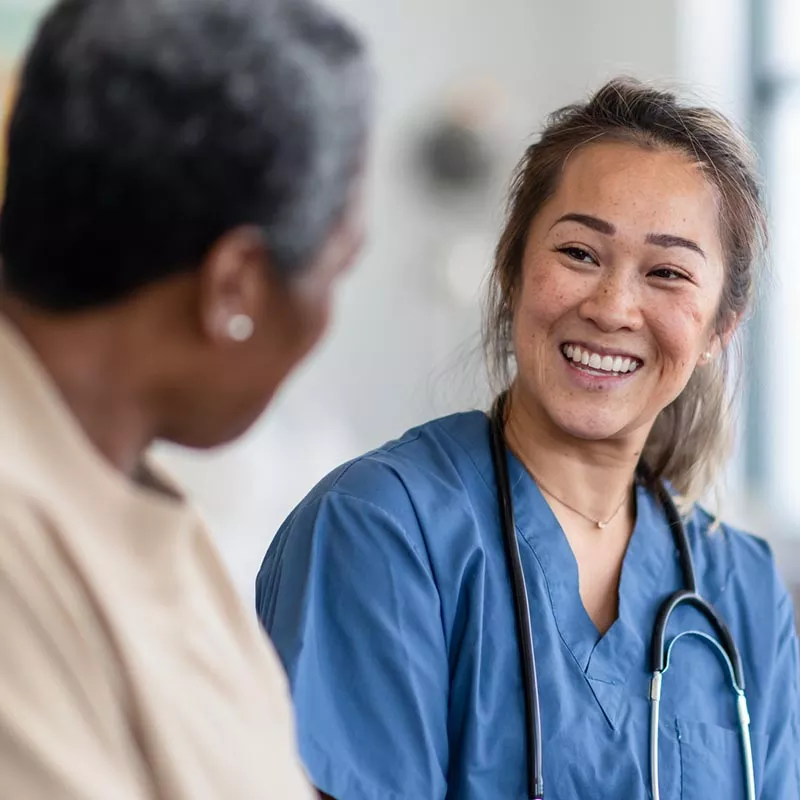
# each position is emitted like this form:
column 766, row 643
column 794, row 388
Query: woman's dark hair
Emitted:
column 144, row 130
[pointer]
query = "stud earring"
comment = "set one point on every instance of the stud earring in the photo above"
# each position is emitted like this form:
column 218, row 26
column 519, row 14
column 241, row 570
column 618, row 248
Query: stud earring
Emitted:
column 240, row 327
column 707, row 356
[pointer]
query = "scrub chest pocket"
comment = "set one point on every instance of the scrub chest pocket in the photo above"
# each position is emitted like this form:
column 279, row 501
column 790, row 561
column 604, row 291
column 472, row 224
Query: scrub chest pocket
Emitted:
column 711, row 761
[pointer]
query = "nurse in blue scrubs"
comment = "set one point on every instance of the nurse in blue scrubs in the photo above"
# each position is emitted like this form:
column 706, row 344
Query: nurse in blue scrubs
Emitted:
column 627, row 262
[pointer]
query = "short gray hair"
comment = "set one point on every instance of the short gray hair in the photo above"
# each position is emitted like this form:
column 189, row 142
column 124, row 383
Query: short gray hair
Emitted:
column 145, row 129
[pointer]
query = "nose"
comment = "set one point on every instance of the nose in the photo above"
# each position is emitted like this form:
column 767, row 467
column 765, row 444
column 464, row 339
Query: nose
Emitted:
column 614, row 302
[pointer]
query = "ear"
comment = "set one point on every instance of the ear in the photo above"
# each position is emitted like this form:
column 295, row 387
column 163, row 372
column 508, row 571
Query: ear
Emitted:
column 234, row 282
column 721, row 338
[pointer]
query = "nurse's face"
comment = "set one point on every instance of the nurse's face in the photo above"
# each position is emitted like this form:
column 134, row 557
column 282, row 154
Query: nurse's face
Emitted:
column 621, row 281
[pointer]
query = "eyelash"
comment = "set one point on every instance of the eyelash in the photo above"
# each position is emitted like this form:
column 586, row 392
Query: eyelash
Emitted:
column 579, row 255
column 572, row 250
column 674, row 274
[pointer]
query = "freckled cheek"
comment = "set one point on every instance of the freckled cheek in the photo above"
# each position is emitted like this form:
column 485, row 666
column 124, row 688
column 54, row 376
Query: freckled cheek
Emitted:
column 532, row 323
column 679, row 337
column 543, row 301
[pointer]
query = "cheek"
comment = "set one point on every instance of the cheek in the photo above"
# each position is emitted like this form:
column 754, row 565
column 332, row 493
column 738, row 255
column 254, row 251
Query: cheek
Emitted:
column 313, row 315
column 294, row 326
column 319, row 323
column 544, row 298
column 682, row 334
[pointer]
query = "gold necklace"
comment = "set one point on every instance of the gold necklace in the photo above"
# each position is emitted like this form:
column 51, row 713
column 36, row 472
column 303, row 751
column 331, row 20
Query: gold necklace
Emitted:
column 599, row 523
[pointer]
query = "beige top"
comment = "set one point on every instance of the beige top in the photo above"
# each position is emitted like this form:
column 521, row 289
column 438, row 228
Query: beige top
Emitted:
column 129, row 668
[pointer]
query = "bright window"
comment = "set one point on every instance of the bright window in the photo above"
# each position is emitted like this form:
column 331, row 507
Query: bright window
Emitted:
column 774, row 367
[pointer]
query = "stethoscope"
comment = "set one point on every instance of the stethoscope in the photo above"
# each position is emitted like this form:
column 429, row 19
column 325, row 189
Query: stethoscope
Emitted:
column 660, row 656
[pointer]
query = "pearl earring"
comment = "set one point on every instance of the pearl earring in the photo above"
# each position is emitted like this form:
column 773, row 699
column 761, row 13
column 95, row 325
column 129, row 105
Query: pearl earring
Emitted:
column 707, row 356
column 240, row 327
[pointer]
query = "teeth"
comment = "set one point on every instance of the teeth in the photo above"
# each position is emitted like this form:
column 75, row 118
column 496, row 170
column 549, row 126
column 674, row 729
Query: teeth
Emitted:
column 615, row 364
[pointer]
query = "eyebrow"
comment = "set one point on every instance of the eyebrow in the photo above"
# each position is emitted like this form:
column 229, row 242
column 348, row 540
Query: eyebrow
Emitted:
column 665, row 240
column 595, row 223
column 668, row 240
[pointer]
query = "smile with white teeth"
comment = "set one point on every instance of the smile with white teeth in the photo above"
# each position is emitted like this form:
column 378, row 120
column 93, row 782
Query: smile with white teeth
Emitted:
column 613, row 365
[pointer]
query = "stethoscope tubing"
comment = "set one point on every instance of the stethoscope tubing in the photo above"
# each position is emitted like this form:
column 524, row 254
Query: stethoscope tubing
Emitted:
column 530, row 686
column 659, row 649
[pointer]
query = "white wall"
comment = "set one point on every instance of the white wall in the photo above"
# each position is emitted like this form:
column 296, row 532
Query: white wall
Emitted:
column 402, row 347
column 714, row 52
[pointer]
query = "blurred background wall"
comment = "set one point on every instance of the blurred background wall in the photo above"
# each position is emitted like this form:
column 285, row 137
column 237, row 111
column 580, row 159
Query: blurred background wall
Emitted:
column 405, row 344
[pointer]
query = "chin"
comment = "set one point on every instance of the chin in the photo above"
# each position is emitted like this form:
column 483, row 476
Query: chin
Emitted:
column 207, row 434
column 240, row 426
column 205, row 439
column 591, row 427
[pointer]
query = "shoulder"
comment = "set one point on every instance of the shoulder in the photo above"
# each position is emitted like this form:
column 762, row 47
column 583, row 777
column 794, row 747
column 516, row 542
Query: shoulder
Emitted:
column 718, row 542
column 400, row 504
column 46, row 605
column 26, row 535
column 42, row 587
column 427, row 464
column 737, row 572
column 733, row 562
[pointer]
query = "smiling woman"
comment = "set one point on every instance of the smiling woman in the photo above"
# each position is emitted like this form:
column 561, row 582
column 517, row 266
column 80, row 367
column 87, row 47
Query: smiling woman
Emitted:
column 694, row 173
column 644, row 284
column 627, row 262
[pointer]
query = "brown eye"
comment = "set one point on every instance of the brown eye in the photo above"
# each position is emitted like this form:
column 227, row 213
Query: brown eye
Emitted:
column 668, row 274
column 578, row 254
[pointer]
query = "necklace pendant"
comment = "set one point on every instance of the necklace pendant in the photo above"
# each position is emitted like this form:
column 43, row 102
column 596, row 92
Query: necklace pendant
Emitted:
column 600, row 524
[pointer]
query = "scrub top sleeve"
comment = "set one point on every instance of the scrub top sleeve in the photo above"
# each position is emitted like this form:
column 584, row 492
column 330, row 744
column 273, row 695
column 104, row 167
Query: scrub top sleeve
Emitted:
column 782, row 767
column 353, row 610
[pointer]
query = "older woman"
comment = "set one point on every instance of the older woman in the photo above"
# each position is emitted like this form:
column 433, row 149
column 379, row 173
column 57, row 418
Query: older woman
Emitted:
column 626, row 264
column 182, row 194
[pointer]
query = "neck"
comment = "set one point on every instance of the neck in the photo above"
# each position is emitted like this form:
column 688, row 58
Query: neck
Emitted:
column 89, row 357
column 590, row 477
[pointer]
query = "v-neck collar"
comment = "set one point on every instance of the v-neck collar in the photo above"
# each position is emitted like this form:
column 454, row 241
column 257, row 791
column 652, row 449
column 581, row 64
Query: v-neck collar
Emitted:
column 648, row 574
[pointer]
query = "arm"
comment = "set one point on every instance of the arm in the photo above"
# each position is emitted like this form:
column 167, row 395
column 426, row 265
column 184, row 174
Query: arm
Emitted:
column 350, row 603
column 59, row 736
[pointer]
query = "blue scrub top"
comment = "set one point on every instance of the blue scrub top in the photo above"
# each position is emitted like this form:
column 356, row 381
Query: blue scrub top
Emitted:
column 387, row 596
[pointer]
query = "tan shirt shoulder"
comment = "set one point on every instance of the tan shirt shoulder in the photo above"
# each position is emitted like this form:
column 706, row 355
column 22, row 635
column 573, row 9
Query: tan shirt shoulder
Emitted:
column 62, row 730
column 129, row 668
